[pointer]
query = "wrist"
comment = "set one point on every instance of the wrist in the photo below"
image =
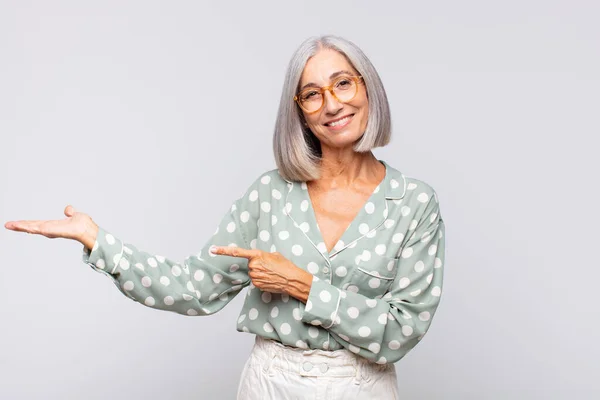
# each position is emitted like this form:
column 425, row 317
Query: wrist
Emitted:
column 88, row 237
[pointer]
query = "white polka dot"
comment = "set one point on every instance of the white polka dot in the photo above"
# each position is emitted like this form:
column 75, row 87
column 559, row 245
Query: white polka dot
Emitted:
column 253, row 195
column 369, row 207
column 234, row 267
column 363, row 228
column 110, row 239
column 423, row 198
column 322, row 247
column 266, row 297
column 244, row 216
column 128, row 285
column 424, row 316
column 346, row 338
column 341, row 271
column 217, row 278
column 253, row 314
column 305, row 227
column 152, row 262
column 301, row 344
column 297, row 249
column 191, row 311
column 165, row 281
column 276, row 194
column 274, row 312
column 264, row 235
column 283, row 235
column 398, row 237
column 265, row 206
column 419, row 266
column 353, row 312
column 313, row 332
column 382, row 319
column 364, row 331
column 394, row 345
column 231, row 227
column 296, row 314
column 169, row 300
column 375, row 347
column 199, row 275
column 285, row 328
column 175, row 270
column 304, row 205
column 149, row 301
column 325, row 296
column 146, row 281
column 405, row 210
column 436, row 291
column 100, row 263
column 371, row 303
column 308, row 305
column 432, row 249
column 406, row 253
column 381, row 360
column 404, row 282
column 268, row 327
column 413, row 225
column 312, row 267
column 380, row 249
column 437, row 263
column 354, row 349
column 352, row 288
column 407, row 330
column 429, row 278
column 411, row 186
column 374, row 283
column 241, row 318
column 265, row 179
column 124, row 264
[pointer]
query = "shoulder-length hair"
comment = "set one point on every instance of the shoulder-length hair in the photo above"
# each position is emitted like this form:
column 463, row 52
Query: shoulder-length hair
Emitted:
column 297, row 150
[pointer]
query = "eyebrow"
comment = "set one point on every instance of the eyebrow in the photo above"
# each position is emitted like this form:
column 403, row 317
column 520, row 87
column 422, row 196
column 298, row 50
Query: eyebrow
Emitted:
column 334, row 75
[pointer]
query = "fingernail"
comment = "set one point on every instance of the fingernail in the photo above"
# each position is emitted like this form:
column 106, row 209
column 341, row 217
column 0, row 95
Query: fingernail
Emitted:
column 213, row 249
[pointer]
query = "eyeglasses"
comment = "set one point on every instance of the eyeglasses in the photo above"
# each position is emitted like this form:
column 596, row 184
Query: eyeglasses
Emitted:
column 343, row 89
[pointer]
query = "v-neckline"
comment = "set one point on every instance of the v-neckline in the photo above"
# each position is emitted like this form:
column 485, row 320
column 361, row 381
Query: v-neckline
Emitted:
column 352, row 223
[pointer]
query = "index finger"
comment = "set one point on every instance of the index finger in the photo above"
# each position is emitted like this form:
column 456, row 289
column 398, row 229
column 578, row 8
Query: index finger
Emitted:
column 234, row 251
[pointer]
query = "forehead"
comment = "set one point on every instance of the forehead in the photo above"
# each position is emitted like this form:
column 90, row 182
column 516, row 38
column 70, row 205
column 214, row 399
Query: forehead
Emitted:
column 325, row 62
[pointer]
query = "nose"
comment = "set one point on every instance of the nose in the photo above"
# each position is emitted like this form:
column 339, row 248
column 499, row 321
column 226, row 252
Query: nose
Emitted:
column 332, row 105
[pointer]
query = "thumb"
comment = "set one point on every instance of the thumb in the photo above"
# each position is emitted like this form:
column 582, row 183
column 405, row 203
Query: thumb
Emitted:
column 69, row 211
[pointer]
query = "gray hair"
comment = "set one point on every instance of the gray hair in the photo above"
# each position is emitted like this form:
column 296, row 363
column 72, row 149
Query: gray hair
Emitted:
column 297, row 150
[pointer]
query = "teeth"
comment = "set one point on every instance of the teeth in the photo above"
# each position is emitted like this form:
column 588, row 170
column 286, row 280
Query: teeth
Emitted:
column 340, row 122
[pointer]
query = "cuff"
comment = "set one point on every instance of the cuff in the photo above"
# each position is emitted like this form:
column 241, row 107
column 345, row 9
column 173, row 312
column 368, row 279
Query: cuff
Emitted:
column 322, row 304
column 106, row 254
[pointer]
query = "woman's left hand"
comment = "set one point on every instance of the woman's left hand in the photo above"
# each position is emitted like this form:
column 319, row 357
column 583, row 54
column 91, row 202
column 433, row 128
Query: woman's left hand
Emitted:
column 270, row 272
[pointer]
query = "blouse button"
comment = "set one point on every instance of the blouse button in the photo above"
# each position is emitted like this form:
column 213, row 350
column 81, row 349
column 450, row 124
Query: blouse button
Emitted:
column 307, row 366
column 325, row 270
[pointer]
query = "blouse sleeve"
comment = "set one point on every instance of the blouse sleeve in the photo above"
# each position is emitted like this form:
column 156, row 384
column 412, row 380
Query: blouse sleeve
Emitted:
column 384, row 330
column 202, row 284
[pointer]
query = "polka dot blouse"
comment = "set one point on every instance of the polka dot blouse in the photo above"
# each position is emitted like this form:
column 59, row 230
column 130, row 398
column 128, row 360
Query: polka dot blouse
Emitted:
column 375, row 293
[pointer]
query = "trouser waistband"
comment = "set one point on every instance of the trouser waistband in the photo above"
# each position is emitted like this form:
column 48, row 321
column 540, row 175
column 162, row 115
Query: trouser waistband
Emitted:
column 314, row 362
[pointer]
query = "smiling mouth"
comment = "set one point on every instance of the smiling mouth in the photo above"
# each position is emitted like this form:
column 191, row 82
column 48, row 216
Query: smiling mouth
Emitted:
column 339, row 122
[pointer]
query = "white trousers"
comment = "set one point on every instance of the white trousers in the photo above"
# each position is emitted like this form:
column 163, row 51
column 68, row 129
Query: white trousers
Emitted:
column 275, row 371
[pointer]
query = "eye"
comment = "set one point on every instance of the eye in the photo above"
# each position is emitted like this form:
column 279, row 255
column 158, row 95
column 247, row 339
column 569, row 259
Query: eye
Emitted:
column 309, row 95
column 344, row 83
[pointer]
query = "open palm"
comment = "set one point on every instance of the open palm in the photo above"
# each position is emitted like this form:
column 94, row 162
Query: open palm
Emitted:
column 72, row 227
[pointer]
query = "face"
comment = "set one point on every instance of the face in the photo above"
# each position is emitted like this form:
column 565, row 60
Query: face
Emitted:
column 321, row 70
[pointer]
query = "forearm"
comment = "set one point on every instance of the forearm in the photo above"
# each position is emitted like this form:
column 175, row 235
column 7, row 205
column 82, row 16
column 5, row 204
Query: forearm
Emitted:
column 299, row 284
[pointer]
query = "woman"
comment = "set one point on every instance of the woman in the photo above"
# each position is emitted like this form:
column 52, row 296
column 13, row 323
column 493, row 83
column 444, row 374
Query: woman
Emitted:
column 342, row 254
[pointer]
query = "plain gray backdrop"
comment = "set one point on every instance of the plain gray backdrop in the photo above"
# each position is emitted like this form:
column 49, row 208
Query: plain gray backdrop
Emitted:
column 153, row 116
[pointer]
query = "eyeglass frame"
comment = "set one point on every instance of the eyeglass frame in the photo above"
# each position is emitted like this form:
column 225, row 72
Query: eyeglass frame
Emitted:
column 358, row 79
